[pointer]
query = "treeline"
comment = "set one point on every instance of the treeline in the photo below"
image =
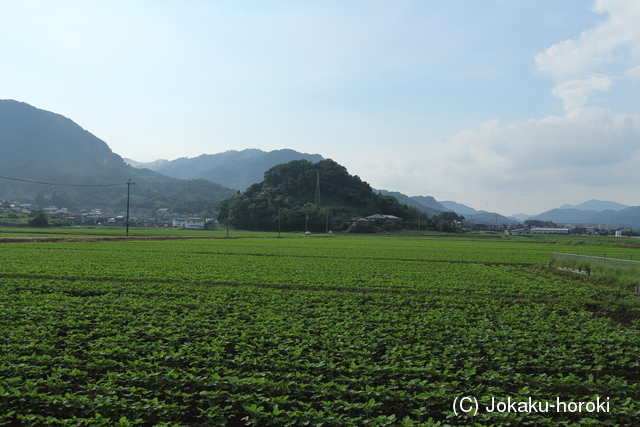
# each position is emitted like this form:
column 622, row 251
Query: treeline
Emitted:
column 35, row 218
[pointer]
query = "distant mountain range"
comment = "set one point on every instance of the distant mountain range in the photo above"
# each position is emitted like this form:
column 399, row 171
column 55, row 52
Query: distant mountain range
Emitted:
column 38, row 145
column 431, row 206
column 590, row 212
column 625, row 217
column 596, row 205
column 233, row 169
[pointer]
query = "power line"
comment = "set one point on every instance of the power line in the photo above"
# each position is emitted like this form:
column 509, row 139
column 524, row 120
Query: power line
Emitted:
column 171, row 198
column 95, row 185
column 63, row 185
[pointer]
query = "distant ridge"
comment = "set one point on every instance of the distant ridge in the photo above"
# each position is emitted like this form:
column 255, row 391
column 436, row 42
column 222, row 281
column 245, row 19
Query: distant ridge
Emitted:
column 233, row 169
column 459, row 208
column 596, row 205
column 411, row 201
column 430, row 202
column 628, row 217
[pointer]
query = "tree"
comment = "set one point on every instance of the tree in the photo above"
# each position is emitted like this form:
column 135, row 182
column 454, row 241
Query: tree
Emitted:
column 448, row 221
column 39, row 220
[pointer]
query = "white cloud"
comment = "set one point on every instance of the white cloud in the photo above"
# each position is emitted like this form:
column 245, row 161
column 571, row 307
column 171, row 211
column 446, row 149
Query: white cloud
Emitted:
column 617, row 38
column 633, row 72
column 584, row 154
column 582, row 147
column 574, row 93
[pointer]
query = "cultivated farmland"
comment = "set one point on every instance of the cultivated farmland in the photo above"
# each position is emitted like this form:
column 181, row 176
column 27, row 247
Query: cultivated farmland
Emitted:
column 306, row 330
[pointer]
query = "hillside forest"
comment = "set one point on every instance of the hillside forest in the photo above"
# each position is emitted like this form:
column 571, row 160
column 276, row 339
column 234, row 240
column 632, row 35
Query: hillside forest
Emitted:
column 301, row 195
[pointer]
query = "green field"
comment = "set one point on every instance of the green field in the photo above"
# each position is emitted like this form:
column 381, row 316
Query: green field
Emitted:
column 312, row 330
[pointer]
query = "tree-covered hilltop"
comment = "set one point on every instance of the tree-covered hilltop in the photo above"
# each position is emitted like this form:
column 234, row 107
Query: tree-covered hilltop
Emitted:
column 288, row 192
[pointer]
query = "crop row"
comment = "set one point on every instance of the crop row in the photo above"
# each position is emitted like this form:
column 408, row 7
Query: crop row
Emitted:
column 340, row 273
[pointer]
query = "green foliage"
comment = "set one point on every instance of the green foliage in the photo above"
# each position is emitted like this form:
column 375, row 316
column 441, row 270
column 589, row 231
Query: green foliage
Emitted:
column 618, row 268
column 287, row 195
column 39, row 220
column 34, row 219
column 12, row 219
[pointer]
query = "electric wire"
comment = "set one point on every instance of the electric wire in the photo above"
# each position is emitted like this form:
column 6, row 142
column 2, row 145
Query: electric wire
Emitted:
column 63, row 185
column 95, row 185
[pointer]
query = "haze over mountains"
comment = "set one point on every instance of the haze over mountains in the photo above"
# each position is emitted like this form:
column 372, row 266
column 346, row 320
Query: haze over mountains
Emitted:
column 627, row 217
column 596, row 205
column 233, row 169
column 39, row 145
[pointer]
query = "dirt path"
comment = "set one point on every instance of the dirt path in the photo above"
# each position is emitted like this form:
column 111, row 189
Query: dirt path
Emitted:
column 94, row 238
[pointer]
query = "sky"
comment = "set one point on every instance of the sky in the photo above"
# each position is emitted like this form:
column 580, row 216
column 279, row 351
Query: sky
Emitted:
column 505, row 106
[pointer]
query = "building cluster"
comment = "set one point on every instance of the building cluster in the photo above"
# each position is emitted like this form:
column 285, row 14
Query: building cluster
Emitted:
column 5, row 206
column 581, row 229
column 375, row 220
column 163, row 217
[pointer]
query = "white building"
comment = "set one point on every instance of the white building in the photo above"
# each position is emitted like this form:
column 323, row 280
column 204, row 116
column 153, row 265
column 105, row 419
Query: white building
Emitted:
column 521, row 232
column 194, row 224
column 549, row 231
column 178, row 222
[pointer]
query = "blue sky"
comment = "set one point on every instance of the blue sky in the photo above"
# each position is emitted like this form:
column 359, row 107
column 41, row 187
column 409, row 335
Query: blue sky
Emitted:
column 507, row 106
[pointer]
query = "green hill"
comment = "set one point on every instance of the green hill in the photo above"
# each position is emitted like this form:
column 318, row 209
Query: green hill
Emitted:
column 289, row 190
column 38, row 145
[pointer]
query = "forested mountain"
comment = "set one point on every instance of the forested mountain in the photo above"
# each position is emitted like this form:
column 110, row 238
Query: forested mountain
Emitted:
column 233, row 169
column 38, row 145
column 290, row 189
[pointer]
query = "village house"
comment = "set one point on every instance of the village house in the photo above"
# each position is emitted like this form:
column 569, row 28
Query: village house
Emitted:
column 178, row 222
column 194, row 224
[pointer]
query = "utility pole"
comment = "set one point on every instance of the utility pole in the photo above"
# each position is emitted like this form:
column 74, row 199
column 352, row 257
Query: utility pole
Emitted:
column 278, row 222
column 317, row 198
column 129, row 184
column 419, row 220
column 306, row 221
column 327, row 224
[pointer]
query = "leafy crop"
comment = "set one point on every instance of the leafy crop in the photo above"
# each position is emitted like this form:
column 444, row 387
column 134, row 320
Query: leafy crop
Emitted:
column 339, row 331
